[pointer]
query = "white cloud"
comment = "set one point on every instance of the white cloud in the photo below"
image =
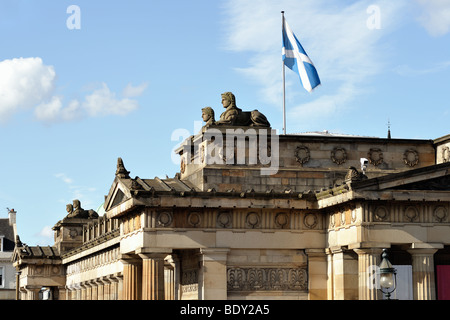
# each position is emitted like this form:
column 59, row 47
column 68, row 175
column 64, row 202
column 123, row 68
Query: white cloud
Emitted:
column 46, row 236
column 131, row 91
column 24, row 82
column 27, row 83
column 53, row 110
column 405, row 70
column 336, row 37
column 101, row 102
column 104, row 102
column 64, row 178
column 435, row 17
column 83, row 193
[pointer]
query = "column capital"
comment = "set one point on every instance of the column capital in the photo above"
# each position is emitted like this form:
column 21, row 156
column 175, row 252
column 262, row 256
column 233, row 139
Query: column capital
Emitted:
column 369, row 245
column 424, row 248
column 214, row 254
column 148, row 250
column 315, row 252
column 371, row 251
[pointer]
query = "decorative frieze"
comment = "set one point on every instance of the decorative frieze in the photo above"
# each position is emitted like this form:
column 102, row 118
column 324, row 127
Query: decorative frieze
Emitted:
column 267, row 279
column 131, row 223
column 94, row 261
column 226, row 219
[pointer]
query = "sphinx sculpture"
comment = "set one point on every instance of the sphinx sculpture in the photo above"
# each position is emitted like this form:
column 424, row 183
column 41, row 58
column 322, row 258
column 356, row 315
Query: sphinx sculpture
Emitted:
column 75, row 211
column 234, row 116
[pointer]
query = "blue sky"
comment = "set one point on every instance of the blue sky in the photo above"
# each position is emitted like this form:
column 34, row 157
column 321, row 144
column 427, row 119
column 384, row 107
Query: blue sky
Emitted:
column 136, row 73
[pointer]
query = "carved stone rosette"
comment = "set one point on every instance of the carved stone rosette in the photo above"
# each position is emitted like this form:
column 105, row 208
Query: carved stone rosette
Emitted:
column 445, row 154
column 252, row 220
column 375, row 156
column 164, row 219
column 282, row 220
column 381, row 213
column 310, row 220
column 182, row 165
column 440, row 214
column 339, row 156
column 302, row 155
column 224, row 220
column 411, row 214
column 194, row 219
column 411, row 157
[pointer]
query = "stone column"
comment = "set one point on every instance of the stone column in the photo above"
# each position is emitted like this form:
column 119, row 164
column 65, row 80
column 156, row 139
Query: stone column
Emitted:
column 213, row 274
column 317, row 274
column 119, row 278
column 132, row 278
column 32, row 292
column 174, row 265
column 99, row 284
column 368, row 262
column 62, row 292
column 344, row 274
column 423, row 273
column 83, row 291
column 153, row 275
column 88, row 286
column 106, row 288
column 115, row 287
column 94, row 290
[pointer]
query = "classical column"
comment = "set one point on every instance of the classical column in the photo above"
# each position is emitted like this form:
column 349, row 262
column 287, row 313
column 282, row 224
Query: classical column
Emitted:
column 32, row 292
column 99, row 284
column 88, row 286
column 115, row 280
column 132, row 278
column 83, row 291
column 153, row 275
column 344, row 274
column 213, row 275
column 61, row 293
column 94, row 290
column 368, row 261
column 174, row 266
column 317, row 274
column 106, row 288
column 423, row 273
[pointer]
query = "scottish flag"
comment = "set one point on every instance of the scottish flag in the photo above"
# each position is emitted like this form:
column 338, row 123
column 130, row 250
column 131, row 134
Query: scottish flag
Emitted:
column 296, row 59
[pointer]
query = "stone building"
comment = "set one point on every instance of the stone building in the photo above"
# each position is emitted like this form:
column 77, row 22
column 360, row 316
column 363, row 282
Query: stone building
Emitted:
column 8, row 234
column 256, row 215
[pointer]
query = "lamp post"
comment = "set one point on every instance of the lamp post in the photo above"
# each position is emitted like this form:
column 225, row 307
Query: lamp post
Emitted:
column 388, row 276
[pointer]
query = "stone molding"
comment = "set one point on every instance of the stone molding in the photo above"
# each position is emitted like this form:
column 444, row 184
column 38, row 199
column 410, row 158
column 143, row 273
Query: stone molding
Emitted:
column 267, row 279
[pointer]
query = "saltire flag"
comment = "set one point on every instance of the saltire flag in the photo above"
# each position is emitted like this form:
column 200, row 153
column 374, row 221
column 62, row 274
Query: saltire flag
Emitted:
column 296, row 59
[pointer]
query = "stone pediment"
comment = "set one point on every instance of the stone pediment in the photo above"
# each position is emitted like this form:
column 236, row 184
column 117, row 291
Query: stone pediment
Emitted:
column 118, row 194
column 436, row 178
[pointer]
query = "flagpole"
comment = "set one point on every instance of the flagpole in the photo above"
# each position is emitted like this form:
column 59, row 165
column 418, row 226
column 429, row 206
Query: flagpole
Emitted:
column 284, row 84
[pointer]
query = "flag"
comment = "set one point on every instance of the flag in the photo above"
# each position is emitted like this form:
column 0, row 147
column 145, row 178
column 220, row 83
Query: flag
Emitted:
column 296, row 59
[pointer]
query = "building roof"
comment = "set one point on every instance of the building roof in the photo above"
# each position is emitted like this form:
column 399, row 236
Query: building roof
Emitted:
column 7, row 231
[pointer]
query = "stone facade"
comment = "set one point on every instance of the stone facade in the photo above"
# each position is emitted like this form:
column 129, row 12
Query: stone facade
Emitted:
column 8, row 232
column 310, row 227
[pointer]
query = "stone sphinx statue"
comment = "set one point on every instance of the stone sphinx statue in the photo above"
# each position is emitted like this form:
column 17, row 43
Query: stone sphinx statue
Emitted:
column 75, row 211
column 208, row 116
column 234, row 116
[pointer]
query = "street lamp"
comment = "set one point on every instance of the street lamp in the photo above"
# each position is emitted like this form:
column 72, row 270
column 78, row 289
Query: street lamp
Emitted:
column 388, row 276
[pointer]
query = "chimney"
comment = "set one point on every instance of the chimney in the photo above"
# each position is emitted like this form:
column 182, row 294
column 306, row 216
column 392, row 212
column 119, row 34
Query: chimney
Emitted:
column 12, row 217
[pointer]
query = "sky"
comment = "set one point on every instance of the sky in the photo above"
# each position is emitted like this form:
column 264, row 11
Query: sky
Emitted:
column 85, row 82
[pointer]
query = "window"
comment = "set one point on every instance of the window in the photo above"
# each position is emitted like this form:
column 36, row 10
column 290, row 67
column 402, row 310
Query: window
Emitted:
column 2, row 277
column 1, row 243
